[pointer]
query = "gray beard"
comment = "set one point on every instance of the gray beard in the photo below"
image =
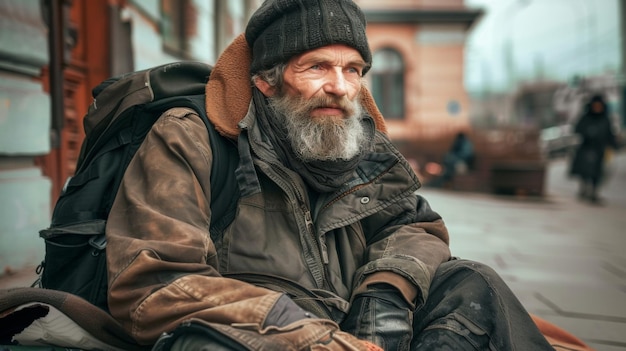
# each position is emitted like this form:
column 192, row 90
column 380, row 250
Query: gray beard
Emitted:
column 326, row 138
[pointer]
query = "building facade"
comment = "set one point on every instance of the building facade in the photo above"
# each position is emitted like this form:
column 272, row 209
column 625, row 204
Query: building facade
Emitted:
column 25, row 126
column 53, row 52
column 417, row 74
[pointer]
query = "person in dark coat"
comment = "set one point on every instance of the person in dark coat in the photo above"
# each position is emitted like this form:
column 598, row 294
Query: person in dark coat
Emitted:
column 457, row 160
column 596, row 133
column 461, row 155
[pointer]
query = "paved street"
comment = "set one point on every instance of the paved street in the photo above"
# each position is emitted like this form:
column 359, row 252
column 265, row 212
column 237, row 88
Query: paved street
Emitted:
column 563, row 258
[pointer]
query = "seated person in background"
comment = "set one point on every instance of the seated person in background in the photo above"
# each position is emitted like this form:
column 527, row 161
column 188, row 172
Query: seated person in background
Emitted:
column 457, row 160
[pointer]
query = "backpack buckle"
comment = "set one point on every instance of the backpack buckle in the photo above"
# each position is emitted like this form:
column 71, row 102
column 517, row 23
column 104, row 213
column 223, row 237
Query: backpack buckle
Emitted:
column 98, row 242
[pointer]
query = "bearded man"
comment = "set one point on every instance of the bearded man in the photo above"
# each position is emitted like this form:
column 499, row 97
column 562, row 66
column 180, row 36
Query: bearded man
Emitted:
column 330, row 249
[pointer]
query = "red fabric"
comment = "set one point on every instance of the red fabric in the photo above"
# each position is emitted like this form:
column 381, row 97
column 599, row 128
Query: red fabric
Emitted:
column 372, row 347
column 559, row 338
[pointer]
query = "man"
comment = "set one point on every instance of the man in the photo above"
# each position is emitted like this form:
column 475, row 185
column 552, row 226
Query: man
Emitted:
column 329, row 232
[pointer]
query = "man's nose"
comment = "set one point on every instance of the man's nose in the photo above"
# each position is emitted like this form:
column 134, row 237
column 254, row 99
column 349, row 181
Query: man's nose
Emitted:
column 336, row 83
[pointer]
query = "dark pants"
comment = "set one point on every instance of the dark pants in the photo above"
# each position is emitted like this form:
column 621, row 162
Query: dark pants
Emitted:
column 469, row 307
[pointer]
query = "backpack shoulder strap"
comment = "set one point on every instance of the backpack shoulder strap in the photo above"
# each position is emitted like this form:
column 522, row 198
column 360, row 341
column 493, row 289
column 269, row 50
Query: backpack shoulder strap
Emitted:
column 224, row 186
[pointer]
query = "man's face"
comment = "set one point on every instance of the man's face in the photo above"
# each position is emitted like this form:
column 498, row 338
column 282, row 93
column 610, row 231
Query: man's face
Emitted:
column 318, row 102
column 334, row 70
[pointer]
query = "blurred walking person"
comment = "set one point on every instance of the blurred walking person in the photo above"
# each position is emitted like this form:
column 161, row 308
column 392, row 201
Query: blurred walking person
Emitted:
column 596, row 133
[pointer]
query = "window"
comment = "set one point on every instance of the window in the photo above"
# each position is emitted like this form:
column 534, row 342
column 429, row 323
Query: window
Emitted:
column 387, row 81
column 231, row 21
column 178, row 26
column 202, row 29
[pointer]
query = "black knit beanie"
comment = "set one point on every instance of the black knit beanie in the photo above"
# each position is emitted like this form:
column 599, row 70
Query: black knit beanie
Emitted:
column 281, row 29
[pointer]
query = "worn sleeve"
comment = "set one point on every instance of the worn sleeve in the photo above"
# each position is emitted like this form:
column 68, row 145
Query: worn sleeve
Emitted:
column 161, row 261
column 406, row 241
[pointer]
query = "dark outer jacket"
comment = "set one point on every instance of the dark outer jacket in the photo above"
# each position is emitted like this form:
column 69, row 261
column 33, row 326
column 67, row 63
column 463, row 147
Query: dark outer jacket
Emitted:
column 164, row 268
column 596, row 136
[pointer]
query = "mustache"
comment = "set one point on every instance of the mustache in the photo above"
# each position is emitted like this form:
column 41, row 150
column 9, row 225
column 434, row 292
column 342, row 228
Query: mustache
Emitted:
column 301, row 105
column 323, row 138
column 342, row 103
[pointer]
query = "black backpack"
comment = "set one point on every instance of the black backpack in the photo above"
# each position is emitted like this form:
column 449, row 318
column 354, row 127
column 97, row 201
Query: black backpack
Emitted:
column 123, row 111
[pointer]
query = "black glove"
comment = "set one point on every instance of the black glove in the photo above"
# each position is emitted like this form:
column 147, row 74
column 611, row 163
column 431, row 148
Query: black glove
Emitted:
column 382, row 316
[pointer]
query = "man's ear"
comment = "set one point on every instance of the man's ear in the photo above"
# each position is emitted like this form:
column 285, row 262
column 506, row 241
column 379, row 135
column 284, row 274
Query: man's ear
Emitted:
column 264, row 87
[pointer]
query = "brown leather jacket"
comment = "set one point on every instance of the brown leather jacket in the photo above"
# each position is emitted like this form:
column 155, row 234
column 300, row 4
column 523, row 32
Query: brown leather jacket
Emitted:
column 164, row 268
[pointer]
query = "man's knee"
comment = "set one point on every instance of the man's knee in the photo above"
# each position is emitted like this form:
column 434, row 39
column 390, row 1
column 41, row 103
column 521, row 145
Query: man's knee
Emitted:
column 466, row 268
column 471, row 288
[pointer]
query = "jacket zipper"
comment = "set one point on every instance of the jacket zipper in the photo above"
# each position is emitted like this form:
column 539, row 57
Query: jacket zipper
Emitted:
column 310, row 228
column 281, row 178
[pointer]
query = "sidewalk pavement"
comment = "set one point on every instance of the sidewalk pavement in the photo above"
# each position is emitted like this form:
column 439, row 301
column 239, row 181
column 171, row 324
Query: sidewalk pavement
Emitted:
column 564, row 259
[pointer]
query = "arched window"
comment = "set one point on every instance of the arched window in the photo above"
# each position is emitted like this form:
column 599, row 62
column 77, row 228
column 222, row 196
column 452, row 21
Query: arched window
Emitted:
column 387, row 83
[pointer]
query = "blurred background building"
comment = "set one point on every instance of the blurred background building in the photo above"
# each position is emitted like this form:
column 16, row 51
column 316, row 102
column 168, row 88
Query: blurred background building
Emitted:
column 52, row 53
column 510, row 73
column 532, row 63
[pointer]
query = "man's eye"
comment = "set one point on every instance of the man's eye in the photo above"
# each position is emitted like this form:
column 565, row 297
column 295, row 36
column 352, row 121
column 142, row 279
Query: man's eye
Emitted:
column 315, row 67
column 354, row 70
